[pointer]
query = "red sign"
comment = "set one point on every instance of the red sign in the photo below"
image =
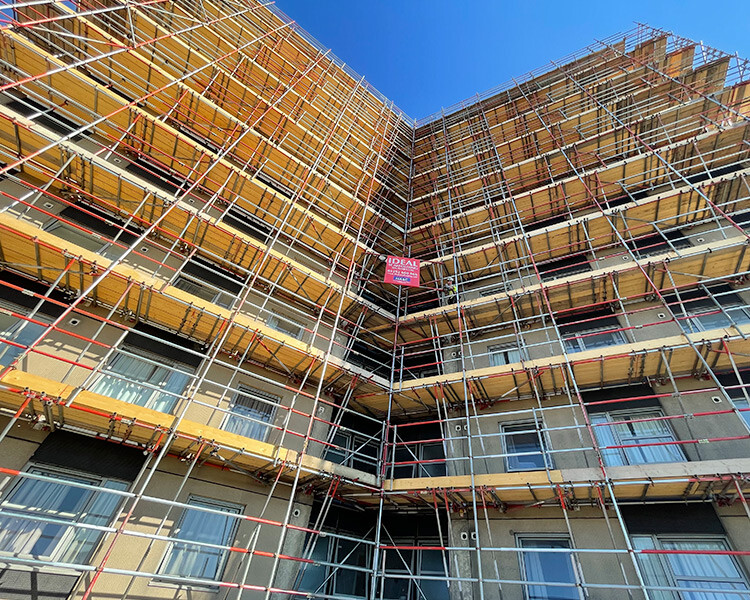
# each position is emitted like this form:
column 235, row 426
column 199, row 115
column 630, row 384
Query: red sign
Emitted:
column 402, row 271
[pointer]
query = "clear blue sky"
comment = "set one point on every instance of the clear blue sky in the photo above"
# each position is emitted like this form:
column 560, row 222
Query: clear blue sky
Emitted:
column 427, row 54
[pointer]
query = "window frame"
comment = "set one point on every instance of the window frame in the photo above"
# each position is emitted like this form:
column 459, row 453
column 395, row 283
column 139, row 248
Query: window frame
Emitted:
column 659, row 242
column 99, row 228
column 210, row 503
column 415, row 569
column 266, row 399
column 544, row 450
column 89, row 239
column 504, row 349
column 740, row 401
column 580, row 336
column 8, row 350
column 563, row 267
column 284, row 325
column 352, row 449
column 415, row 448
column 658, row 540
column 153, row 359
column 691, row 316
column 209, row 293
column 615, row 418
column 333, row 565
column 65, row 476
column 544, row 537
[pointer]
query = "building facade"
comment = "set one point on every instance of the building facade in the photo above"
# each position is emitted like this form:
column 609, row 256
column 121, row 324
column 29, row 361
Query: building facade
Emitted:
column 207, row 390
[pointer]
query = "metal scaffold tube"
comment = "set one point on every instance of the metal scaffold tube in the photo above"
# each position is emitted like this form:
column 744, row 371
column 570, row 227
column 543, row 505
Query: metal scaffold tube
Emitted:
column 208, row 388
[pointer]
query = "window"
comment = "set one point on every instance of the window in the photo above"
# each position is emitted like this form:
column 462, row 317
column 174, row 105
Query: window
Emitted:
column 18, row 331
column 737, row 390
column 742, row 404
column 633, row 438
column 48, row 117
column 251, row 411
column 97, row 229
column 247, row 223
column 524, row 447
column 329, row 574
column 352, row 450
column 504, row 354
column 690, row 572
column 56, row 499
column 209, row 281
column 139, row 377
column 551, row 575
column 412, row 564
column 191, row 286
column 274, row 184
column 742, row 219
column 74, row 235
column 592, row 334
column 332, row 572
column 286, row 326
column 714, row 308
column 423, row 459
column 215, row 526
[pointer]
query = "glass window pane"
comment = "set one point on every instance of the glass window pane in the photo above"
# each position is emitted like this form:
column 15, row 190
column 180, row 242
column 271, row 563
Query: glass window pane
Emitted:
column 638, row 441
column 602, row 340
column 432, row 562
column 404, row 454
column 188, row 560
column 133, row 372
column 395, row 589
column 432, row 452
column 18, row 331
column 523, row 448
column 194, row 288
column 691, row 572
column 742, row 403
column 348, row 581
column 503, row 355
column 251, row 408
column 314, row 575
column 61, row 502
column 339, row 455
column 285, row 326
column 433, row 590
column 399, row 561
column 654, row 569
column 548, row 567
column 89, row 241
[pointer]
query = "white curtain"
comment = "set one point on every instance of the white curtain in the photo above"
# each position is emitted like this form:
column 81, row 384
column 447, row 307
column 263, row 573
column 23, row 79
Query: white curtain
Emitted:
column 99, row 512
column 188, row 560
column 653, row 568
column 18, row 331
column 692, row 572
column 129, row 373
column 707, row 571
column 550, row 567
column 250, row 415
column 605, row 437
column 636, row 435
column 61, row 502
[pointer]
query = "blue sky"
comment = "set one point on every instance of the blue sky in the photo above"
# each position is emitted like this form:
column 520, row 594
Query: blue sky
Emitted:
column 427, row 54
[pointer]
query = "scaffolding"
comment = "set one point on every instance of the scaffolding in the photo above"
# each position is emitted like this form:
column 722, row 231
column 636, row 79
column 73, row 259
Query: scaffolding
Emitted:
column 207, row 389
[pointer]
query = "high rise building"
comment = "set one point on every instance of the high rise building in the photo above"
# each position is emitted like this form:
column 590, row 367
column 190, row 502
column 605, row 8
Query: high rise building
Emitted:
column 208, row 389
